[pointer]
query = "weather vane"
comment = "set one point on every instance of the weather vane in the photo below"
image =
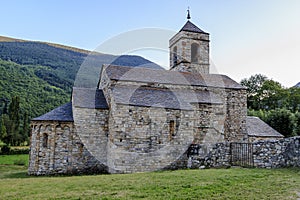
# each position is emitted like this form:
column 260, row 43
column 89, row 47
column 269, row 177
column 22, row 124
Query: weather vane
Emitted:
column 188, row 13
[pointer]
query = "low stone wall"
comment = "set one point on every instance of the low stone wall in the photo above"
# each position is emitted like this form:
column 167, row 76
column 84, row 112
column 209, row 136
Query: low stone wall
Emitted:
column 277, row 153
column 218, row 156
column 266, row 154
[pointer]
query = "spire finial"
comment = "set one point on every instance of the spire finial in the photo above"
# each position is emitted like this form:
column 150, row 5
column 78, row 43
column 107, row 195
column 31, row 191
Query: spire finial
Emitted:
column 188, row 13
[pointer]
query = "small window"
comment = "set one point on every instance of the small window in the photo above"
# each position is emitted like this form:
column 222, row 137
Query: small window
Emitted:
column 45, row 140
column 174, row 56
column 171, row 129
column 194, row 53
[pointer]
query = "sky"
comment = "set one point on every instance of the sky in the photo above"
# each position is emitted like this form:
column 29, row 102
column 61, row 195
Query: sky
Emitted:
column 246, row 37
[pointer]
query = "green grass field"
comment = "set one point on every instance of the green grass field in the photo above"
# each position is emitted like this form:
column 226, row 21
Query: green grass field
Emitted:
column 233, row 183
column 14, row 159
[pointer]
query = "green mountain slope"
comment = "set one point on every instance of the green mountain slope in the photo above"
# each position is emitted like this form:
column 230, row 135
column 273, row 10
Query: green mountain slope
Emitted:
column 37, row 95
column 62, row 63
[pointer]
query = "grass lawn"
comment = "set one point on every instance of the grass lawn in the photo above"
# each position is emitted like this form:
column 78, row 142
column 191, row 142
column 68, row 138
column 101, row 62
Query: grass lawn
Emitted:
column 233, row 183
column 13, row 166
column 14, row 159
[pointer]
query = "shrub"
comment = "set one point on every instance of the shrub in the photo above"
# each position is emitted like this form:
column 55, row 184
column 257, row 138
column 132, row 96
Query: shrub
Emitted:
column 19, row 150
column 282, row 120
column 5, row 150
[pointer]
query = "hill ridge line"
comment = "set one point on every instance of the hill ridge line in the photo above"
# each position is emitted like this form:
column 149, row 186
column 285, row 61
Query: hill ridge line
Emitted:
column 76, row 49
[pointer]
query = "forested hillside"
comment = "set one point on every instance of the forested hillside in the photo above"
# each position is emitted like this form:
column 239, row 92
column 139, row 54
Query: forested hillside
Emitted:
column 37, row 95
column 41, row 76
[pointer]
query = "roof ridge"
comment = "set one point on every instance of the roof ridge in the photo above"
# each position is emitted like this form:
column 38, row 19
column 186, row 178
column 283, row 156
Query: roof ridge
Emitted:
column 122, row 73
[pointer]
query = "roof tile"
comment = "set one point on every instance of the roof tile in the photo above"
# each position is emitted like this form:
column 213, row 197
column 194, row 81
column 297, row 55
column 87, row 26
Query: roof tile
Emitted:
column 170, row 77
column 162, row 97
column 257, row 127
column 62, row 113
column 190, row 27
column 89, row 98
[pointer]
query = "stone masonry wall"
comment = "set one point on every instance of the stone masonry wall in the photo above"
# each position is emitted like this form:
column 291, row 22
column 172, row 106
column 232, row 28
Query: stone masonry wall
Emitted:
column 147, row 139
column 183, row 42
column 135, row 139
column 266, row 154
column 277, row 153
column 234, row 107
column 56, row 149
column 236, row 113
column 218, row 156
column 91, row 126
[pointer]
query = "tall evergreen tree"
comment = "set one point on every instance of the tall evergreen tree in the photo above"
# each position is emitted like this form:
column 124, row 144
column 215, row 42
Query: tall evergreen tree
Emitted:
column 25, row 128
column 13, row 124
column 3, row 132
column 5, row 109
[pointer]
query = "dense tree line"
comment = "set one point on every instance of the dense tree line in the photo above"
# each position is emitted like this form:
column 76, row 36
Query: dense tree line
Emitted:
column 276, row 105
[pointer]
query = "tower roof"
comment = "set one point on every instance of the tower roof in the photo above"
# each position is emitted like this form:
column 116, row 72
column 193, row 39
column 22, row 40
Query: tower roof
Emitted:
column 190, row 27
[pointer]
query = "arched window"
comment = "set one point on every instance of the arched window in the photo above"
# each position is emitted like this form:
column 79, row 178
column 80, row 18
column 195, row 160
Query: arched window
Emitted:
column 45, row 140
column 174, row 53
column 194, row 53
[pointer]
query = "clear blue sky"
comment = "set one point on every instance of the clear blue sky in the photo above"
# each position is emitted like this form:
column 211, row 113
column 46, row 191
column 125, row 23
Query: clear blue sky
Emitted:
column 247, row 37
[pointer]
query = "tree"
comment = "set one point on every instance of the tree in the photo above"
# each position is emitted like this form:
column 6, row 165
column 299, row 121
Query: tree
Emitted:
column 282, row 120
column 3, row 132
column 297, row 124
column 5, row 110
column 25, row 128
column 12, row 122
column 262, row 114
column 276, row 105
column 273, row 95
column 4, row 103
column 254, row 84
column 294, row 99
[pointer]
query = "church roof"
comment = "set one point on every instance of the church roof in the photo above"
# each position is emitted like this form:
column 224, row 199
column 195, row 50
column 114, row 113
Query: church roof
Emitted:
column 258, row 128
column 170, row 77
column 82, row 97
column 190, row 27
column 62, row 113
column 162, row 97
column 89, row 98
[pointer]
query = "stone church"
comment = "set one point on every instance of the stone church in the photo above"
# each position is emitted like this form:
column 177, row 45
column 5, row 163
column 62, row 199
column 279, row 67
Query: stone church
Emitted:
column 142, row 119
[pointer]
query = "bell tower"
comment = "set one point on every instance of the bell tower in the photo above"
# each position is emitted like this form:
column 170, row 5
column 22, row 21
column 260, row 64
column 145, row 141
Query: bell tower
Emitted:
column 189, row 49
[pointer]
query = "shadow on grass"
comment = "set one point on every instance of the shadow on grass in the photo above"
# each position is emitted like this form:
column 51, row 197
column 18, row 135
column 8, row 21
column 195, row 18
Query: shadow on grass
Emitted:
column 13, row 171
column 17, row 175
